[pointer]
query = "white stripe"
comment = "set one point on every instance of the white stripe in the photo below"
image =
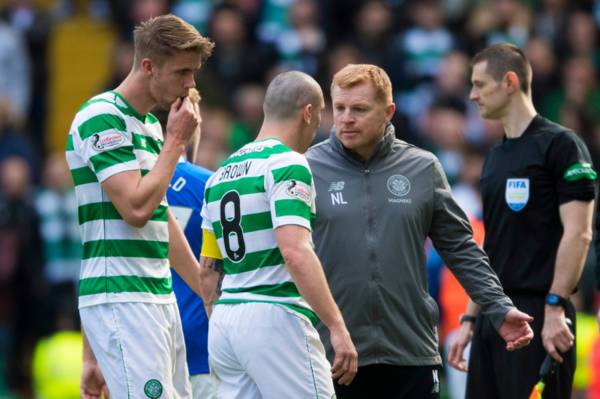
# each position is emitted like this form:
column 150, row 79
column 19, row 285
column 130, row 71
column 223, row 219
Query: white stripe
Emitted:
column 118, row 266
column 246, row 296
column 74, row 160
column 120, row 230
column 98, row 299
column 249, row 204
column 296, row 220
column 145, row 159
column 263, row 276
column 118, row 168
column 255, row 241
column 89, row 193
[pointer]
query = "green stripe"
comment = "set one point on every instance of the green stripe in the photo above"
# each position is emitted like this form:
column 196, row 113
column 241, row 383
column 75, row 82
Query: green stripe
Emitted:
column 107, row 211
column 312, row 316
column 265, row 153
column 100, row 123
column 151, row 119
column 112, row 157
column 293, row 172
column 287, row 289
column 250, row 223
column 244, row 185
column 83, row 175
column 292, row 207
column 126, row 248
column 118, row 284
column 146, row 143
column 69, row 146
column 253, row 261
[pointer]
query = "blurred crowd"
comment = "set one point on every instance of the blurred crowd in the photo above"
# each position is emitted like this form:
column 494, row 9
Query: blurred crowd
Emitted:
column 55, row 54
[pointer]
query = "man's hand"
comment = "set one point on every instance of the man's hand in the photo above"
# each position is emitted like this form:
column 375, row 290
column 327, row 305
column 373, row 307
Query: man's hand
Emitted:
column 93, row 385
column 183, row 120
column 456, row 357
column 556, row 334
column 515, row 329
column 345, row 363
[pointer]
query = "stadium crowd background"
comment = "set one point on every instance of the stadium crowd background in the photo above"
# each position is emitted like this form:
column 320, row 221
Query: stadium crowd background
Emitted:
column 55, row 54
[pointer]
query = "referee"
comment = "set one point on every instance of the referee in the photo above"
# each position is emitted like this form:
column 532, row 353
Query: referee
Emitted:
column 538, row 189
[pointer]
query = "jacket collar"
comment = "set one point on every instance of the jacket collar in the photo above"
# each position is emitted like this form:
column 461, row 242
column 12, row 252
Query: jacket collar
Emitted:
column 382, row 149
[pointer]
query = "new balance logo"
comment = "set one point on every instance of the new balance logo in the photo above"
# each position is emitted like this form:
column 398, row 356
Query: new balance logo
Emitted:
column 336, row 186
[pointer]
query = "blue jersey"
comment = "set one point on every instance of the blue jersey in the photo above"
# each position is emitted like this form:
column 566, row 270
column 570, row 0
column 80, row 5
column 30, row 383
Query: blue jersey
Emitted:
column 185, row 196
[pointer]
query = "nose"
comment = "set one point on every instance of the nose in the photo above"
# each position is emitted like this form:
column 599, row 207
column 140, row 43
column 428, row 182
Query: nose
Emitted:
column 473, row 94
column 190, row 82
column 346, row 117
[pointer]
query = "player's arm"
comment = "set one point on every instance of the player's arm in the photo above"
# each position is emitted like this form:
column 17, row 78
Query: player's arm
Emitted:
column 576, row 218
column 307, row 272
column 181, row 257
column 211, row 270
column 92, row 384
column 136, row 197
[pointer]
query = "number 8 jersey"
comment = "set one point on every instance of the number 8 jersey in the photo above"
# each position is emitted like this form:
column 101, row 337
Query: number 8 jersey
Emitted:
column 260, row 187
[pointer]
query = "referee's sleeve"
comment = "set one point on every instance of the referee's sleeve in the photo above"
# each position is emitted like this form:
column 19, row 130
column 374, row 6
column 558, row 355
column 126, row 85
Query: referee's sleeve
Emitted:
column 572, row 169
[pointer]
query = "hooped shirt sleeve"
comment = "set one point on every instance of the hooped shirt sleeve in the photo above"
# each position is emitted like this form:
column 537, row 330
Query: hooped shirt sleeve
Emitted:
column 290, row 191
column 571, row 166
column 101, row 139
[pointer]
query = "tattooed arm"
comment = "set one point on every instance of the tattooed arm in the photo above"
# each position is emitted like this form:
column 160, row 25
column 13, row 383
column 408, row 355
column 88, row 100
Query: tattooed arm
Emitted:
column 211, row 273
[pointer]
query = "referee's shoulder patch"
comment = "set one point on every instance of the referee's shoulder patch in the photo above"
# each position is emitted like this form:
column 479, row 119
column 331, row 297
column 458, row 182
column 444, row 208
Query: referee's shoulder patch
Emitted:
column 580, row 170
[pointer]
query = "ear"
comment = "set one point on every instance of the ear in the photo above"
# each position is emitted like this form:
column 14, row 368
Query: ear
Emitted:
column 511, row 82
column 390, row 110
column 147, row 66
column 307, row 113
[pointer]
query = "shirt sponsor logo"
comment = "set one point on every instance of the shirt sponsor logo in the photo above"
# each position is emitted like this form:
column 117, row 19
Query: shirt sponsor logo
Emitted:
column 108, row 140
column 517, row 193
column 580, row 171
column 296, row 190
column 398, row 185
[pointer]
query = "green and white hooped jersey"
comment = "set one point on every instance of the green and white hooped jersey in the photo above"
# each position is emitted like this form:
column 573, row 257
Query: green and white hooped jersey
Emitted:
column 120, row 263
column 260, row 187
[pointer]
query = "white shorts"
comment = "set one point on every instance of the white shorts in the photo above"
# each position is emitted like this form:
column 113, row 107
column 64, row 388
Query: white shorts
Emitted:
column 203, row 386
column 262, row 350
column 140, row 349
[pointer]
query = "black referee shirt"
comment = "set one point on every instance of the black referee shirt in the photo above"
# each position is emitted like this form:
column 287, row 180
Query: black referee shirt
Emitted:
column 523, row 183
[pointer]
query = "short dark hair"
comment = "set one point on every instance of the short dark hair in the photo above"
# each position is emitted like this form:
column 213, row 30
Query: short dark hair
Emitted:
column 162, row 36
column 505, row 57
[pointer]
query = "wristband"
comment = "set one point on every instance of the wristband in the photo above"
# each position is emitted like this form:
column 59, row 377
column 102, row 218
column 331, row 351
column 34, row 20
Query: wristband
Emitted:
column 556, row 300
column 467, row 317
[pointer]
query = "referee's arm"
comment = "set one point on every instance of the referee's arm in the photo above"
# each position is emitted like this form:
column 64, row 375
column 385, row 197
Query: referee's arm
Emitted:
column 576, row 218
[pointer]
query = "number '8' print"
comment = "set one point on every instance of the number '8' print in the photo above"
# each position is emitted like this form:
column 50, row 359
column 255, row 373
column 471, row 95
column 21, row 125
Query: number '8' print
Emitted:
column 231, row 223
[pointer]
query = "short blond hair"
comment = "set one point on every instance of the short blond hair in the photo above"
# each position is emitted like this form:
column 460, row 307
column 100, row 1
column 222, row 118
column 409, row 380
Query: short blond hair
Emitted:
column 162, row 36
column 354, row 74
